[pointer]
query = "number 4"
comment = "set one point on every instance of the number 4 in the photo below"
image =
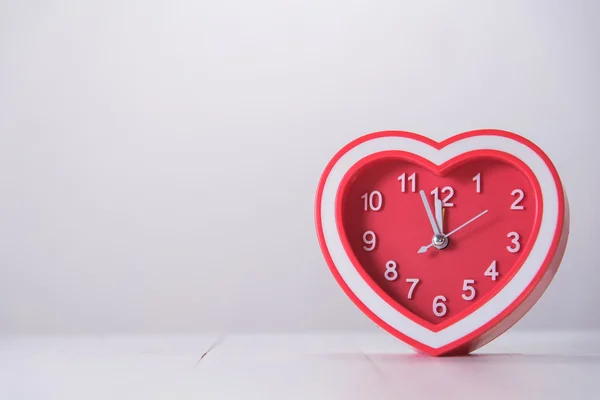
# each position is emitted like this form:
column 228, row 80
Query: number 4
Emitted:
column 491, row 271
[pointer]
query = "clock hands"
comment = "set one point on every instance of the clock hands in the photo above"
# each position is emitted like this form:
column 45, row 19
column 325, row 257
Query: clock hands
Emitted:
column 425, row 248
column 440, row 241
column 436, row 229
column 468, row 222
column 439, row 216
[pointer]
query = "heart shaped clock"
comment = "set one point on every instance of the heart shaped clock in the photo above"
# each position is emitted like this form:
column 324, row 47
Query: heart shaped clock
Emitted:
column 444, row 245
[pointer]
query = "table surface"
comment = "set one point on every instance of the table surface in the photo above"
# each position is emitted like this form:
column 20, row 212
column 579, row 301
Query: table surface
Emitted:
column 334, row 365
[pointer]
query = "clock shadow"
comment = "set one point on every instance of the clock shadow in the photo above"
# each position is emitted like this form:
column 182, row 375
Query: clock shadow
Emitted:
column 482, row 358
column 462, row 368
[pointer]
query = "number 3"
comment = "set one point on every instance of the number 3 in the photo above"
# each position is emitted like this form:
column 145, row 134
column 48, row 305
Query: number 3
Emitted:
column 515, row 241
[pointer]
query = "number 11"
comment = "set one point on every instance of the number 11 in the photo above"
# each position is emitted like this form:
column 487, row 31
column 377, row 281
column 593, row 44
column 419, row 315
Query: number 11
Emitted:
column 412, row 178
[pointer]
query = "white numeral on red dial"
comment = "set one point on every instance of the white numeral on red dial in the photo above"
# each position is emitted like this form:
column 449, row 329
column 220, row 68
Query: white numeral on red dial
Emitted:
column 391, row 273
column 370, row 240
column 467, row 287
column 477, row 179
column 372, row 201
column 491, row 271
column 435, row 192
column 439, row 308
column 412, row 179
column 515, row 205
column 515, row 241
column 414, row 282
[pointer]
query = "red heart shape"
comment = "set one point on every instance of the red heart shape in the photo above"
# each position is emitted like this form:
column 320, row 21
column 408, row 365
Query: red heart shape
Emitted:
column 372, row 224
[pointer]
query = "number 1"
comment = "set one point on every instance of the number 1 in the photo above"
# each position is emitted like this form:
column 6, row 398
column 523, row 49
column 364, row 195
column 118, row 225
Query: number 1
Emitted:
column 477, row 179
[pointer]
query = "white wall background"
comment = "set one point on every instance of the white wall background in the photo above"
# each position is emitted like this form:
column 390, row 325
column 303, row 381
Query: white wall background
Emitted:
column 159, row 160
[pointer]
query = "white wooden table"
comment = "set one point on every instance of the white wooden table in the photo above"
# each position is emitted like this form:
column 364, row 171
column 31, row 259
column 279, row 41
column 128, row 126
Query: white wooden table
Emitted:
column 296, row 366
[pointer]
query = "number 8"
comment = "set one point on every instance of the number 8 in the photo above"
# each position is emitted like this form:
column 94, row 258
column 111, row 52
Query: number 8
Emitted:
column 391, row 273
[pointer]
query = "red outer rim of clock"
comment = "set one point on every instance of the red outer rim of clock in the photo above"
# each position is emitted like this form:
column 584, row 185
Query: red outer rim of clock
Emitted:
column 440, row 170
column 522, row 304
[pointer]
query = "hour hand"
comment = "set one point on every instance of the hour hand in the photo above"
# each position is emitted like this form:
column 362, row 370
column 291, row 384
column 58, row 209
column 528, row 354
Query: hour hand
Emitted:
column 439, row 215
column 436, row 229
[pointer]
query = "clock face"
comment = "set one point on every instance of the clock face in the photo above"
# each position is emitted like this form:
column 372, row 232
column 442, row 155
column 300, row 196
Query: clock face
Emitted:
column 444, row 245
column 485, row 207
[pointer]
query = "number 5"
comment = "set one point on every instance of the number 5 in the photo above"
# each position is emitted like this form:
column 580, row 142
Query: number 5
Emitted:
column 467, row 287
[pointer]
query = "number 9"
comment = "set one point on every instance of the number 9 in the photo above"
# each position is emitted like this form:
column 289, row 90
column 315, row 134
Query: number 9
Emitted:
column 369, row 242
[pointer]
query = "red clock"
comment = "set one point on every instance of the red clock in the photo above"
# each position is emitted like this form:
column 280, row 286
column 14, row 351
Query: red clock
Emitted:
column 444, row 245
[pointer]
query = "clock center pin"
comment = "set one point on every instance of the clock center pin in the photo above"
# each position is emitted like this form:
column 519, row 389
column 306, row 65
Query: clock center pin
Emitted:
column 440, row 242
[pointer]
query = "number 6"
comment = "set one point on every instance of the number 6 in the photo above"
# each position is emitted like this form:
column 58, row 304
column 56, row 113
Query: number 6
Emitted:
column 437, row 305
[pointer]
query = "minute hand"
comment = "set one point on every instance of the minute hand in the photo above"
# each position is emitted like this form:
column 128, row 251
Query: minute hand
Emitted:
column 467, row 223
column 424, row 248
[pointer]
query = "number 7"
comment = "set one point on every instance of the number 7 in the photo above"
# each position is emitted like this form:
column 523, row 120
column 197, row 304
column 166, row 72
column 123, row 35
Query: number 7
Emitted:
column 414, row 282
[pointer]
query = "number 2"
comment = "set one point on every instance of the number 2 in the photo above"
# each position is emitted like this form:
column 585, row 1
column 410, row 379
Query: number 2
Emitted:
column 515, row 205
